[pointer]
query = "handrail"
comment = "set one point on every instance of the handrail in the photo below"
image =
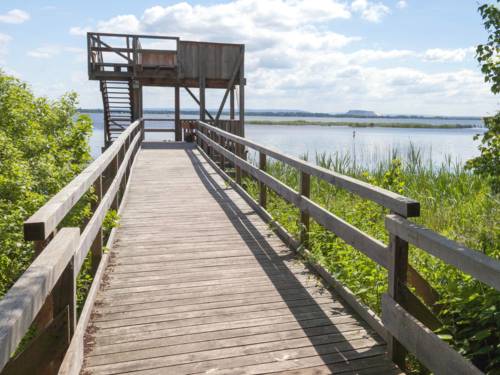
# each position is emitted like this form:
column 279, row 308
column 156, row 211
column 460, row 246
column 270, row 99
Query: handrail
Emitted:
column 46, row 219
column 46, row 293
column 134, row 35
column 429, row 349
column 393, row 201
column 404, row 316
column 122, row 49
column 472, row 262
column 373, row 248
column 20, row 306
column 401, row 323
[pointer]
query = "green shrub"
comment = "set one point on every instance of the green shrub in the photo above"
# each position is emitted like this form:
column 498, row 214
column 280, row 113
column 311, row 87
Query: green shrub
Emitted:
column 44, row 146
column 454, row 202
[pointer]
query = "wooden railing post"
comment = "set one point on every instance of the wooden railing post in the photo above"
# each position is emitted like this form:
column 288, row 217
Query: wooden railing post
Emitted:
column 123, row 182
column 96, row 247
column 262, row 186
column 64, row 295
column 113, row 171
column 203, row 143
column 305, row 190
column 51, row 276
column 46, row 313
column 210, row 149
column 397, row 273
column 238, row 169
column 220, row 140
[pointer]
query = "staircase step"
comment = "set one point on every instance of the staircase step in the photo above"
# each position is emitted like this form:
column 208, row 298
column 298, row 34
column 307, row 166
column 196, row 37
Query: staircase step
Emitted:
column 118, row 107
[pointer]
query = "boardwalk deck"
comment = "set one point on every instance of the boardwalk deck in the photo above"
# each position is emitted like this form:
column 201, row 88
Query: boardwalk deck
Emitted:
column 197, row 283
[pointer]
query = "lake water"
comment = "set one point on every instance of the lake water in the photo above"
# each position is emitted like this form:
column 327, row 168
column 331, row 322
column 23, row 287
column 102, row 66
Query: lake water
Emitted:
column 364, row 145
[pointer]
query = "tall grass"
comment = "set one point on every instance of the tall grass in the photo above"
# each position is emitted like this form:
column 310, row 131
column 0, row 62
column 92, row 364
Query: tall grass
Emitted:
column 454, row 202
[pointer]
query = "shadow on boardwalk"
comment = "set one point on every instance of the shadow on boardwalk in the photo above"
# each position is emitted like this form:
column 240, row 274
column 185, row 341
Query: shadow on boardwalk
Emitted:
column 324, row 334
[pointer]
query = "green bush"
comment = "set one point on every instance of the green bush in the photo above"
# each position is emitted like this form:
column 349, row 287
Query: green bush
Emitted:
column 44, row 146
column 488, row 163
column 454, row 202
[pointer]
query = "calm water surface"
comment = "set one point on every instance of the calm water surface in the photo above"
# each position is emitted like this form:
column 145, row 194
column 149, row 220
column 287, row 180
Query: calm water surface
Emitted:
column 365, row 145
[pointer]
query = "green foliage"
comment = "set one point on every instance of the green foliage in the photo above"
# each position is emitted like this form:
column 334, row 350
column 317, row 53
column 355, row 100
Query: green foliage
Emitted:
column 488, row 55
column 111, row 220
column 454, row 202
column 44, row 145
column 488, row 163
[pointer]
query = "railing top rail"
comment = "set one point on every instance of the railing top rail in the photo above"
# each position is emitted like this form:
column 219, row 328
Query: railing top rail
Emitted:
column 475, row 263
column 397, row 203
column 44, row 221
column 20, row 306
column 214, row 43
column 123, row 49
column 91, row 33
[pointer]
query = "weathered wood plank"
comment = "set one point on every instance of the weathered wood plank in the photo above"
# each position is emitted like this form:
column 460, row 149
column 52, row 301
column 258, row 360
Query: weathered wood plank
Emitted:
column 20, row 305
column 298, row 337
column 95, row 223
column 254, row 354
column 422, row 342
column 73, row 359
column 316, row 365
column 479, row 265
column 188, row 290
column 44, row 353
column 270, row 332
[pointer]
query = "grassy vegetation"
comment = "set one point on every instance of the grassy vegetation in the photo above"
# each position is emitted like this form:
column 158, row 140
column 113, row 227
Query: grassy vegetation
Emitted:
column 455, row 203
column 358, row 124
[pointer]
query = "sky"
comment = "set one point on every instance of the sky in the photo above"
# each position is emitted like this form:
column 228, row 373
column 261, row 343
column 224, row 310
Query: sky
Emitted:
column 388, row 56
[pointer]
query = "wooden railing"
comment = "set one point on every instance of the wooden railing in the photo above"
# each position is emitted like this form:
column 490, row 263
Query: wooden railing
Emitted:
column 129, row 56
column 409, row 333
column 404, row 316
column 46, row 293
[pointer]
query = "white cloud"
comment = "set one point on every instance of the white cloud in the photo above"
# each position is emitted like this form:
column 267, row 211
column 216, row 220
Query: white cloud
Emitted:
column 368, row 55
column 15, row 16
column 120, row 24
column 257, row 23
column 45, row 52
column 79, row 31
column 4, row 39
column 401, row 4
column 447, row 55
column 294, row 59
column 50, row 51
column 370, row 11
column 4, row 42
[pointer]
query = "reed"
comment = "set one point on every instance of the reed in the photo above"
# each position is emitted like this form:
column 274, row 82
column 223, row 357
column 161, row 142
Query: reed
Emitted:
column 454, row 202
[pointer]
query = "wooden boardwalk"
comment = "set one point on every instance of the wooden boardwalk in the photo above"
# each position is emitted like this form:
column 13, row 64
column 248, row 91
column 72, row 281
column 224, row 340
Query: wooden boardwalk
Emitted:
column 198, row 283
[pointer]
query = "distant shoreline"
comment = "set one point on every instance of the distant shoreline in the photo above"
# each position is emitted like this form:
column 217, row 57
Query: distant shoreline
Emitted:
column 360, row 124
column 250, row 113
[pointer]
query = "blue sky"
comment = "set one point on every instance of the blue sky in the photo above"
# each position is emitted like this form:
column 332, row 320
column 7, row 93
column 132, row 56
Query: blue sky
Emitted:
column 390, row 56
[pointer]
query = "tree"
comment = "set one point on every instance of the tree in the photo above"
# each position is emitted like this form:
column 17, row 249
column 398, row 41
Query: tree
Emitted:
column 44, row 145
column 488, row 55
